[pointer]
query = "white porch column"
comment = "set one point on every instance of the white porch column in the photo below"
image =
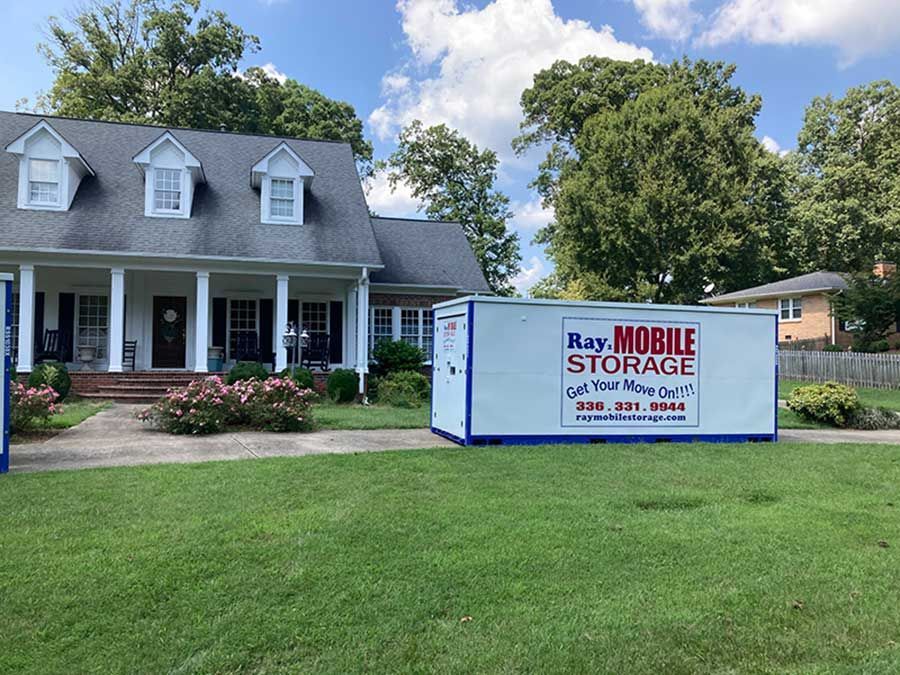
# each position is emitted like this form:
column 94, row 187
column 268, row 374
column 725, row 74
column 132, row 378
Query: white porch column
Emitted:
column 201, row 327
column 26, row 318
column 116, row 318
column 362, row 329
column 350, row 330
column 281, row 319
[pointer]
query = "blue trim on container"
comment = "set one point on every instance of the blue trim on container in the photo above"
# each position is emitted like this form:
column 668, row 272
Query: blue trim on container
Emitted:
column 777, row 356
column 470, row 339
column 630, row 438
column 7, row 364
column 448, row 435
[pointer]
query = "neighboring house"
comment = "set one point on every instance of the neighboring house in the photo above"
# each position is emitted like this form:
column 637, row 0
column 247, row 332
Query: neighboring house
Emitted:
column 803, row 305
column 183, row 240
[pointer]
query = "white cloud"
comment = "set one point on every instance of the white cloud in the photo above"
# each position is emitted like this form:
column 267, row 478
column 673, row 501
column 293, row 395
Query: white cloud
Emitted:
column 386, row 202
column 771, row 145
column 672, row 19
column 475, row 63
column 857, row 28
column 273, row 72
column 530, row 216
column 529, row 275
column 394, row 83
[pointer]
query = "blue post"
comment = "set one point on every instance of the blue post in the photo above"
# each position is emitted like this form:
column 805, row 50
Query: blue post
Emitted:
column 6, row 316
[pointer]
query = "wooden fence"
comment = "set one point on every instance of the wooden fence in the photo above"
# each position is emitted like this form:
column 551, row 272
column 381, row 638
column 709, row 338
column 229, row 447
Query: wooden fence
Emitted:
column 859, row 370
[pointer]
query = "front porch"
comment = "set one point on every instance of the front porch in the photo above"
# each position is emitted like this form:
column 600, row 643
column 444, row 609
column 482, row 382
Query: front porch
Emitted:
column 161, row 326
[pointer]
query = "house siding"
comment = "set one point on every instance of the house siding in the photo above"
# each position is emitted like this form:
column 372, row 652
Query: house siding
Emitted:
column 406, row 300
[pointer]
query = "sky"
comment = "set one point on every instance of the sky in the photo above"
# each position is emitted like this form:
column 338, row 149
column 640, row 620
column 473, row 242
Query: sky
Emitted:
column 466, row 63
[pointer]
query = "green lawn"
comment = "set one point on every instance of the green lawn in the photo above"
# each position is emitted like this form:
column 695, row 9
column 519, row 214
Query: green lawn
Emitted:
column 75, row 411
column 615, row 558
column 885, row 398
column 788, row 419
column 354, row 416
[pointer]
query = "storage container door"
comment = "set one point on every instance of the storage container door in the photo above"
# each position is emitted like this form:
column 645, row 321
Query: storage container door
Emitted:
column 451, row 343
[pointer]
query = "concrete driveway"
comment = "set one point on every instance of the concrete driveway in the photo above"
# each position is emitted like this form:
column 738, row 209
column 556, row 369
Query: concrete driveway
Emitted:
column 115, row 438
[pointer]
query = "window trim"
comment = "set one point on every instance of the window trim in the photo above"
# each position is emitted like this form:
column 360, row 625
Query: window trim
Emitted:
column 228, row 355
column 266, row 216
column 153, row 190
column 77, row 323
column 794, row 308
column 397, row 327
column 57, row 183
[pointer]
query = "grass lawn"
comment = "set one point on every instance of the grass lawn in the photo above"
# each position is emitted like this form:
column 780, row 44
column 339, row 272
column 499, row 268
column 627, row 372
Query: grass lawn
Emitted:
column 353, row 416
column 615, row 558
column 75, row 411
column 788, row 419
column 884, row 398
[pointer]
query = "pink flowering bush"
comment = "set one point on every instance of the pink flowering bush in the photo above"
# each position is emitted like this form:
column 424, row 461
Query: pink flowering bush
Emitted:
column 210, row 405
column 31, row 406
column 202, row 407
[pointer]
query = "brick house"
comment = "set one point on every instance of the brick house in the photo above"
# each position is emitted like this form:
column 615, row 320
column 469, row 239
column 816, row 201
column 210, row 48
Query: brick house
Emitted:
column 802, row 303
column 144, row 249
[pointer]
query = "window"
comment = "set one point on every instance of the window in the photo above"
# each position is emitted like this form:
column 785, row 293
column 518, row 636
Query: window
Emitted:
column 93, row 322
column 43, row 181
column 382, row 326
column 427, row 333
column 242, row 319
column 14, row 327
column 745, row 305
column 315, row 317
column 282, row 198
column 167, row 190
column 791, row 309
column 410, row 328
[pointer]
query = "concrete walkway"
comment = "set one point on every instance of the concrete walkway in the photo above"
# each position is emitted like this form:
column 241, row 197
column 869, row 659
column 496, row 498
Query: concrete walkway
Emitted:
column 115, row 438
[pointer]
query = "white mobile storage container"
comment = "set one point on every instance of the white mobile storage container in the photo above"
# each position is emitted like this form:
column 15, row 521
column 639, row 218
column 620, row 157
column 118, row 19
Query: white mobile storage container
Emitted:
column 542, row 371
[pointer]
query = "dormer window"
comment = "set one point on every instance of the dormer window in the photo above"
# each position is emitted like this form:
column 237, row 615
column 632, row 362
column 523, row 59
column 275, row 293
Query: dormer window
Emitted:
column 167, row 190
column 170, row 174
column 282, row 198
column 43, row 182
column 283, row 179
column 50, row 169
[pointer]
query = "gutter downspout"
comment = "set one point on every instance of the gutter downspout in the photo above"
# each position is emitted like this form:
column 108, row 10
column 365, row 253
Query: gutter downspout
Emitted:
column 362, row 331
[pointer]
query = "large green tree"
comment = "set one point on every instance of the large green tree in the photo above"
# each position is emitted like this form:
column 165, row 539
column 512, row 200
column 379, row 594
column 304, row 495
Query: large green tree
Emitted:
column 870, row 303
column 454, row 180
column 167, row 62
column 847, row 181
column 658, row 184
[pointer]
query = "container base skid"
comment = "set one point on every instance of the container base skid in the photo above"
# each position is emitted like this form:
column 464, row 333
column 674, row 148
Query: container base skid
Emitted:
column 550, row 440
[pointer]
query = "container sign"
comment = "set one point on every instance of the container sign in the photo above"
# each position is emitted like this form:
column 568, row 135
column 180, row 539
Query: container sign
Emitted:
column 448, row 335
column 630, row 373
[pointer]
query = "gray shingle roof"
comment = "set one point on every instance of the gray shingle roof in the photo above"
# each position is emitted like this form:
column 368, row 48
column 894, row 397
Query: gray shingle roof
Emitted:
column 814, row 281
column 108, row 211
column 428, row 253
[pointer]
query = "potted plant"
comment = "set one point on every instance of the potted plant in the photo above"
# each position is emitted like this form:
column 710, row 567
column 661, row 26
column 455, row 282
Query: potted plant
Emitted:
column 87, row 354
column 215, row 358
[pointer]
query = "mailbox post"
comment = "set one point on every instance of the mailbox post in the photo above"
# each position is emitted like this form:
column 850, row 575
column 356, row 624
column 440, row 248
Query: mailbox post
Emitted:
column 6, row 322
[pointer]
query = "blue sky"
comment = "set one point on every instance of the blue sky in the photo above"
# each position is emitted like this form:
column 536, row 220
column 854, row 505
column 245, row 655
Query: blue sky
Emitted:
column 465, row 63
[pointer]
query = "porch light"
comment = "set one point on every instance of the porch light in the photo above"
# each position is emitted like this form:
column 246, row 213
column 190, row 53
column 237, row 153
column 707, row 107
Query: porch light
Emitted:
column 289, row 341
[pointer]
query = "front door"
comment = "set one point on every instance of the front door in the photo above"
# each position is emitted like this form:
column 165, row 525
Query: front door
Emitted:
column 169, row 331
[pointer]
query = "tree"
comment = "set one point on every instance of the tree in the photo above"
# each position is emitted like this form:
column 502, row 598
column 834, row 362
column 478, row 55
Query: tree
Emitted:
column 455, row 180
column 662, row 188
column 162, row 62
column 870, row 302
column 847, row 186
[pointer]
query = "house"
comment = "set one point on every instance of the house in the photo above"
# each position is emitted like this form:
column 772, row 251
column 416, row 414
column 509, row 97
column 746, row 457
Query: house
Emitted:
column 803, row 305
column 177, row 242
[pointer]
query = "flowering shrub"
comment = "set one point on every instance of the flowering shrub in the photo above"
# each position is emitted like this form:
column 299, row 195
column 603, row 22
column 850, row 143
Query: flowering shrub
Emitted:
column 210, row 405
column 202, row 407
column 31, row 406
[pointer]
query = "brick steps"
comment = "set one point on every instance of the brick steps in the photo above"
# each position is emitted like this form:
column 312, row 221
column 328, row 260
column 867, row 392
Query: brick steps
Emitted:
column 139, row 387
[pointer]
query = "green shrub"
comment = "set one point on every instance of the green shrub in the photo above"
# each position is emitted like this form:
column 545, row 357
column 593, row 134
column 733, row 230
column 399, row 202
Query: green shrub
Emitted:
column 302, row 376
column 831, row 403
column 343, row 385
column 833, row 348
column 874, row 347
column 874, row 418
column 13, row 374
column 247, row 370
column 404, row 389
column 54, row 374
column 391, row 357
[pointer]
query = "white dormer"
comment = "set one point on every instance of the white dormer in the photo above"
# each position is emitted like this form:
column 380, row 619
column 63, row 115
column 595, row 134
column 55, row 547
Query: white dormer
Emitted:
column 50, row 169
column 282, row 178
column 170, row 174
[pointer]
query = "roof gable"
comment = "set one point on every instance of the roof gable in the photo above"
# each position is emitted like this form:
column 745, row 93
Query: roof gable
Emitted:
column 18, row 146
